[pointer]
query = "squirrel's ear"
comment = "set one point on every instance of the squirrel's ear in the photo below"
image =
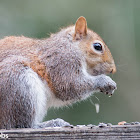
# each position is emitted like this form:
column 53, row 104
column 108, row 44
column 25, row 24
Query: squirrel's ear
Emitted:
column 80, row 28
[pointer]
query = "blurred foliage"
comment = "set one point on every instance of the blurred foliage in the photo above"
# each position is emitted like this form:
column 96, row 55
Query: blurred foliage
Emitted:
column 116, row 21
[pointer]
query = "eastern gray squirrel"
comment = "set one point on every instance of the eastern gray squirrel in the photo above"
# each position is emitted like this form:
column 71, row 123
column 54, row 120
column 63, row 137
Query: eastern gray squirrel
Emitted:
column 39, row 74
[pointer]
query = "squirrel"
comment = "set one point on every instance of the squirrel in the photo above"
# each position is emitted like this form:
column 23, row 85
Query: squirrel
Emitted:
column 37, row 74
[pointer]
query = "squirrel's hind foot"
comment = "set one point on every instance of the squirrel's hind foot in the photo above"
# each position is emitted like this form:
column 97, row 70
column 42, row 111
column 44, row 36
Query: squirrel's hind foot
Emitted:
column 52, row 123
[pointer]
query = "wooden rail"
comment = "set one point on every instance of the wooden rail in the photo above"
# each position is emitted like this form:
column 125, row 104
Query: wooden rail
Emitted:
column 115, row 132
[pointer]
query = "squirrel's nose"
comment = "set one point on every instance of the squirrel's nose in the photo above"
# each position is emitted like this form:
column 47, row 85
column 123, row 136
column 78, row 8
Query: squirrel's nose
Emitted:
column 113, row 70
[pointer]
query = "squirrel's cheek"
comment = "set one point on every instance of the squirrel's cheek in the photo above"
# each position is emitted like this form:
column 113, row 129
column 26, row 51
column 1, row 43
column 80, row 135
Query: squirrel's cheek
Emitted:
column 102, row 68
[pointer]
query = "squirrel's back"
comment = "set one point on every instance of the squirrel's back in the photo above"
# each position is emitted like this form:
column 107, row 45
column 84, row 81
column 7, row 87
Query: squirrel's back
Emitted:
column 13, row 45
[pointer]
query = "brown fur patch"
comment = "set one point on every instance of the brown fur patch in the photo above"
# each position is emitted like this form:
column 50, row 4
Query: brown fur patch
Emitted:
column 40, row 68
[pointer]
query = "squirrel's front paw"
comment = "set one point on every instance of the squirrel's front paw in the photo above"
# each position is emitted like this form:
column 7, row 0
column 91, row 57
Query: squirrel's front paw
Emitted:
column 52, row 123
column 105, row 84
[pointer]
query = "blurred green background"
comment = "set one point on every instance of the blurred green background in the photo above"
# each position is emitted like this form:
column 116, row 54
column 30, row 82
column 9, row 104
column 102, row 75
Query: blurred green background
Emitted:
column 116, row 21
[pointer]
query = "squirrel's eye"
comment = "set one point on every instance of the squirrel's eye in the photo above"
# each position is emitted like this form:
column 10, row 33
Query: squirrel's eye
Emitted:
column 97, row 46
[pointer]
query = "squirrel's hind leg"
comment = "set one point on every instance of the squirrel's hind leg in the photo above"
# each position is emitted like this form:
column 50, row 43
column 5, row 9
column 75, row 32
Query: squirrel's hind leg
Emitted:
column 22, row 96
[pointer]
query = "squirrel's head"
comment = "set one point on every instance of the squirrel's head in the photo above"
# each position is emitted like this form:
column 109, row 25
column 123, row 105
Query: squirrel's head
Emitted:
column 98, row 57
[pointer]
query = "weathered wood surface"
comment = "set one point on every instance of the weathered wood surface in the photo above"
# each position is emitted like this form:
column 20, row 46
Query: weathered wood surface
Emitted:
column 115, row 132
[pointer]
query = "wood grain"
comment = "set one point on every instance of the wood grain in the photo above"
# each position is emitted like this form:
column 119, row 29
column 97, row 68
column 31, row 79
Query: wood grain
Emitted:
column 115, row 132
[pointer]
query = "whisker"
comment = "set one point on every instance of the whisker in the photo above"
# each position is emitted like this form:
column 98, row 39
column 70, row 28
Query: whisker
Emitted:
column 121, row 70
column 120, row 66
